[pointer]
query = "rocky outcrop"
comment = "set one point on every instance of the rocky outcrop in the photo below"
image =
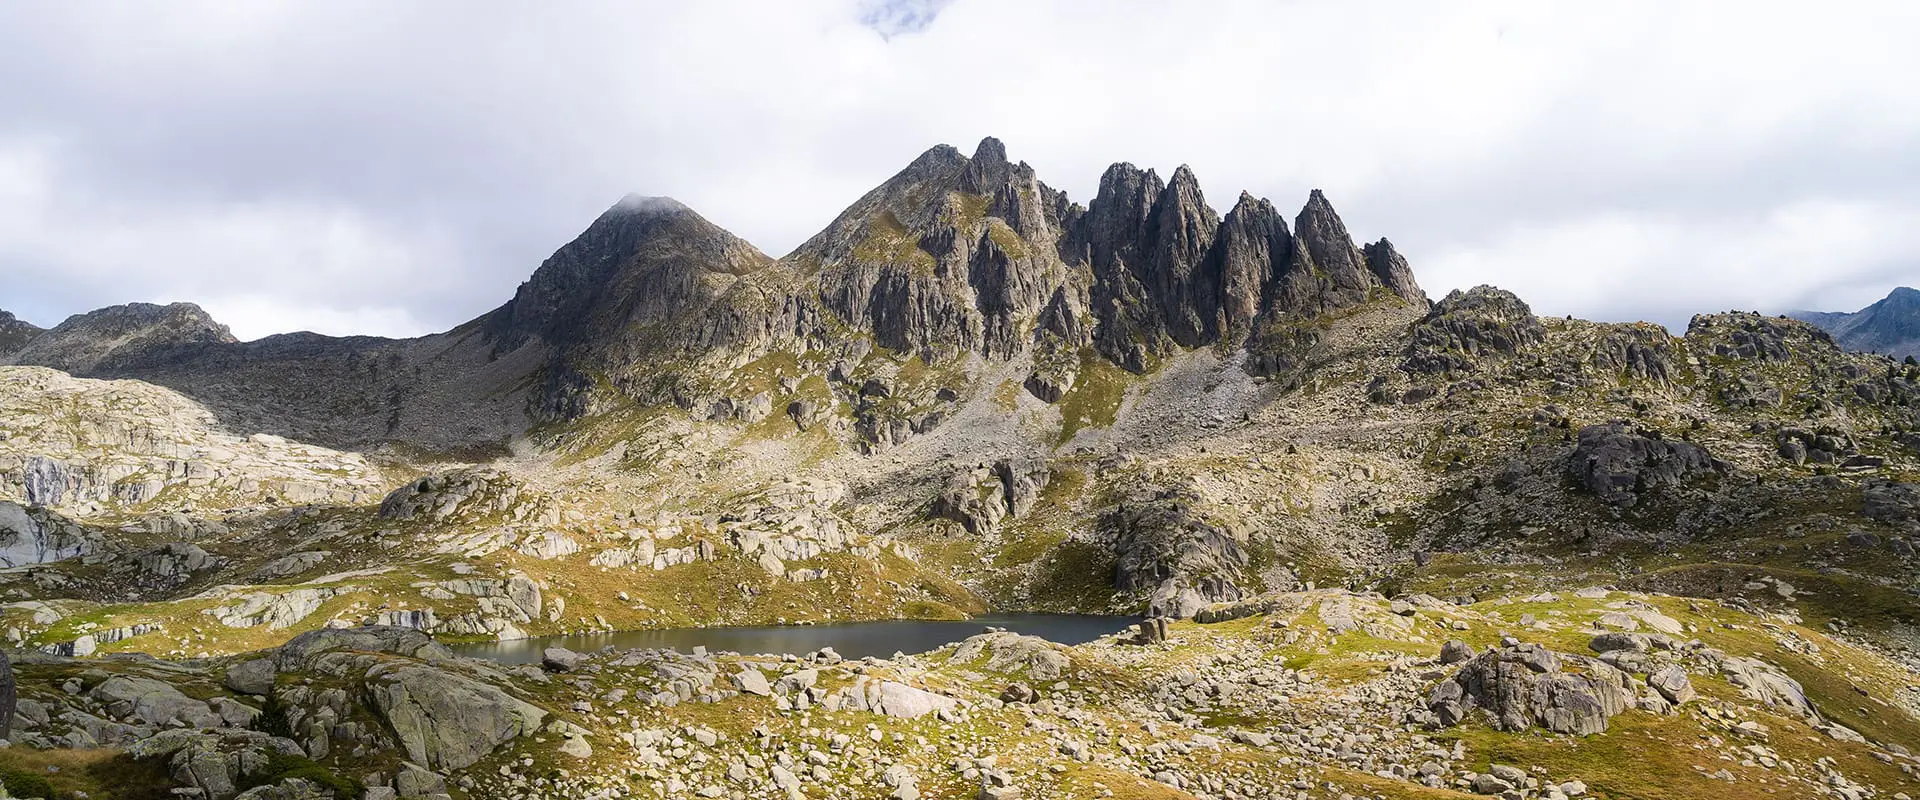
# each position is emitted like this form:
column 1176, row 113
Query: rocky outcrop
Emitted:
column 1472, row 330
column 1620, row 464
column 86, row 446
column 273, row 610
column 1524, row 685
column 299, row 652
column 446, row 721
column 980, row 498
column 1746, row 336
column 1170, row 552
column 1896, row 504
column 39, row 536
column 467, row 494
column 1639, row 351
column 213, row 763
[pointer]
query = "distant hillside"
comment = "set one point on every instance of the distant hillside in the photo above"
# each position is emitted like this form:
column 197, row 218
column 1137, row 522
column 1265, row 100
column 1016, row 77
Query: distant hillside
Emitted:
column 1891, row 326
column 14, row 332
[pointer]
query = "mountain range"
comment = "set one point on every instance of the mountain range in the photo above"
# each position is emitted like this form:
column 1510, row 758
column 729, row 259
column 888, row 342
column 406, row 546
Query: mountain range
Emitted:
column 1890, row 326
column 970, row 393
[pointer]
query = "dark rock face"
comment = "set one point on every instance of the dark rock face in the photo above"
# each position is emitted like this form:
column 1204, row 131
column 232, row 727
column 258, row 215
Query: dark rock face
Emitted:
column 1890, row 326
column 15, row 333
column 1469, row 330
column 1522, row 686
column 1893, row 503
column 1166, row 273
column 9, row 696
column 1168, row 549
column 1618, row 464
column 117, row 337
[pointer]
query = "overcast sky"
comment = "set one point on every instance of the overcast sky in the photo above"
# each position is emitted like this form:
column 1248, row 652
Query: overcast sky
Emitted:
column 397, row 168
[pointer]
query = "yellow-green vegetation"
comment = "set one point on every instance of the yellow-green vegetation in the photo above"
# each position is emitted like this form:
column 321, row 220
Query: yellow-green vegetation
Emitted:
column 1095, row 398
column 1006, row 238
column 967, row 210
column 99, row 773
column 889, row 242
column 1006, row 396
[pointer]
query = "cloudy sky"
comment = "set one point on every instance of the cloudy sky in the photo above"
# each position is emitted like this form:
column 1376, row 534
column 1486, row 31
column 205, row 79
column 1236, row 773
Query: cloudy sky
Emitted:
column 397, row 168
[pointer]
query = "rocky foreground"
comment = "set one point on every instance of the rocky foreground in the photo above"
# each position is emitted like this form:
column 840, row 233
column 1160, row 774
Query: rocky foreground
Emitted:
column 1317, row 694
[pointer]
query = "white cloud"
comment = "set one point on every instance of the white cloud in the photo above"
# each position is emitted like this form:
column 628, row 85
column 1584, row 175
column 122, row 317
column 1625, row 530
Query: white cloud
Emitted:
column 416, row 161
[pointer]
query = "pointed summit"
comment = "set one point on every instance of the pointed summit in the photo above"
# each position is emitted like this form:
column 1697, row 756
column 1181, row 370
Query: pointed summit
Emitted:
column 1390, row 268
column 1321, row 244
column 644, row 259
column 641, row 204
column 988, row 170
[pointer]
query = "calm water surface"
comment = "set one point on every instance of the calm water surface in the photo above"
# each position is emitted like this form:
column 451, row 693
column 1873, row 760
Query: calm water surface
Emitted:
column 849, row 639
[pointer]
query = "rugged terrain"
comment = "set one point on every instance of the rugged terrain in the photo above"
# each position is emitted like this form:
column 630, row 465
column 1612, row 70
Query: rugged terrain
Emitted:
column 1890, row 326
column 970, row 392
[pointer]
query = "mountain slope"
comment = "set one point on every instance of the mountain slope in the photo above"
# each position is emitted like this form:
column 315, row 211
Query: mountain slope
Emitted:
column 1890, row 326
column 15, row 333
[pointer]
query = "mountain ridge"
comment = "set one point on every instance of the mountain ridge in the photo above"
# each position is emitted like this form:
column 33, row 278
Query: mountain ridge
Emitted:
column 1890, row 325
column 950, row 255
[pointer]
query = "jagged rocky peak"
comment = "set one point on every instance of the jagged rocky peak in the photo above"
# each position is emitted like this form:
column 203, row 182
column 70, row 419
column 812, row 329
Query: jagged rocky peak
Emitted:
column 15, row 333
column 974, row 254
column 102, row 340
column 950, row 255
column 642, row 262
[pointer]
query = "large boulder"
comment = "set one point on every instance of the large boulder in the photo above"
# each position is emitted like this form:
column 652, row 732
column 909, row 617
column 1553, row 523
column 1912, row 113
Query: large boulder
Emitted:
column 1015, row 654
column 1524, row 686
column 253, row 676
column 152, row 702
column 298, row 652
column 445, row 721
column 1766, row 683
column 1618, row 463
column 906, row 702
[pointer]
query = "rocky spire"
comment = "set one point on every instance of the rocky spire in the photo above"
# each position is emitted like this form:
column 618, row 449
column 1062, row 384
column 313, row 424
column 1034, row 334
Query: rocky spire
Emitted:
column 1390, row 268
column 1250, row 250
column 1322, row 238
column 1182, row 229
column 988, row 170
